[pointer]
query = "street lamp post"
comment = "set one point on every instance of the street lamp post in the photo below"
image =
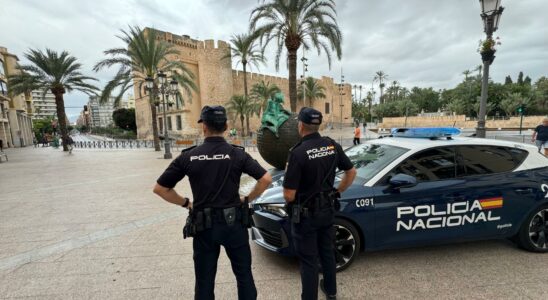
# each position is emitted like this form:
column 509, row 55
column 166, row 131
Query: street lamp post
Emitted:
column 303, row 77
column 490, row 13
column 165, row 90
column 341, row 93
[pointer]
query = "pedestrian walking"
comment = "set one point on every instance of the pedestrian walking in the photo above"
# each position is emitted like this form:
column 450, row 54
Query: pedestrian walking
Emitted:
column 357, row 134
column 312, row 201
column 1, row 145
column 70, row 144
column 540, row 136
column 218, row 216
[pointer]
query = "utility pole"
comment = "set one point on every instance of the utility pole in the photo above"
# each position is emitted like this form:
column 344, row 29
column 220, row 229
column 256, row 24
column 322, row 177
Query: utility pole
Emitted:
column 303, row 77
column 341, row 93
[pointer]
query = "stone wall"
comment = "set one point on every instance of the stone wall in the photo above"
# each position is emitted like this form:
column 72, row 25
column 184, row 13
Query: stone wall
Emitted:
column 217, row 82
column 459, row 121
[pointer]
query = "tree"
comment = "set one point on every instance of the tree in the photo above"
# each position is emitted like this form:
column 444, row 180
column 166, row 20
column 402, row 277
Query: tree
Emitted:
column 369, row 98
column 512, row 101
column 244, row 50
column 311, row 90
column 242, row 107
column 380, row 76
column 541, row 92
column 508, row 80
column 457, row 106
column 425, row 99
column 296, row 23
column 143, row 56
column 466, row 73
column 527, row 81
column 56, row 72
column 125, row 118
column 261, row 92
column 520, row 78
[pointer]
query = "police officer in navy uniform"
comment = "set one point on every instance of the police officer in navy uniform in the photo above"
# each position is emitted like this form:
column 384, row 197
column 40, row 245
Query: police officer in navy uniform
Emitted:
column 217, row 212
column 312, row 201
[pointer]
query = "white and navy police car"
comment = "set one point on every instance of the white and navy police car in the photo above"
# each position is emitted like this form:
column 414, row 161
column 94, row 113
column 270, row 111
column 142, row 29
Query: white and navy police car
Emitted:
column 412, row 191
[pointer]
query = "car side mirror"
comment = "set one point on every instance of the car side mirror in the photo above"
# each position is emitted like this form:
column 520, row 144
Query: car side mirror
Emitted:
column 399, row 181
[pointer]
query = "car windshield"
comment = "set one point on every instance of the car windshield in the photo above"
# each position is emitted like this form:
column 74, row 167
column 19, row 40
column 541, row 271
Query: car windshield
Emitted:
column 370, row 159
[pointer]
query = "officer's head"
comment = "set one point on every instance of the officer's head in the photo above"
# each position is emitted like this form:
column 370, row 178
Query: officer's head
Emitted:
column 309, row 121
column 213, row 119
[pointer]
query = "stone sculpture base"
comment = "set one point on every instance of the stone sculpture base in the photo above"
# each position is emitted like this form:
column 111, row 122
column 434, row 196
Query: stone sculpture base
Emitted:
column 275, row 150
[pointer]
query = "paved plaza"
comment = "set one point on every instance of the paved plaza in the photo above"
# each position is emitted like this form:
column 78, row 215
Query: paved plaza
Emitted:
column 87, row 226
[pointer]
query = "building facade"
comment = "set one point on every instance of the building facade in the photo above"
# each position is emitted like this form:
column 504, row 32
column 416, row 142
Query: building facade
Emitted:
column 217, row 82
column 128, row 103
column 44, row 105
column 100, row 114
column 15, row 110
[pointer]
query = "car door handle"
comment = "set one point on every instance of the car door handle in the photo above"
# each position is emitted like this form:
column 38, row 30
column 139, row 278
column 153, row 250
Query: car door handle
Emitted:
column 524, row 191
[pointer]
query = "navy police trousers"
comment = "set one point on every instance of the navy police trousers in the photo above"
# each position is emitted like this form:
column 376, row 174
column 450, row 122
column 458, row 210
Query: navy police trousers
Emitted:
column 313, row 239
column 207, row 245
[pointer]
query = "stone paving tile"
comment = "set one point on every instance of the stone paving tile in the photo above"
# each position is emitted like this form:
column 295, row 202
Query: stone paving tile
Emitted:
column 152, row 260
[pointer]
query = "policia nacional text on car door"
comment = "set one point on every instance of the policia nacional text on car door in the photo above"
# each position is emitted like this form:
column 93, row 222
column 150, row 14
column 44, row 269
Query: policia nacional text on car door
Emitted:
column 462, row 192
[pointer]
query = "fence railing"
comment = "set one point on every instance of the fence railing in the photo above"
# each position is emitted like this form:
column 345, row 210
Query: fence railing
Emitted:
column 250, row 144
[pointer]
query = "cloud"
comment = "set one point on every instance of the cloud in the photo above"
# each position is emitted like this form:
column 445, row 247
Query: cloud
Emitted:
column 416, row 42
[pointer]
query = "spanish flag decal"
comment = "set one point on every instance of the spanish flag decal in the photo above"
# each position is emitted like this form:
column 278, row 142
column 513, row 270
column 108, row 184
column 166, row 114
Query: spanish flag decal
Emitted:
column 490, row 203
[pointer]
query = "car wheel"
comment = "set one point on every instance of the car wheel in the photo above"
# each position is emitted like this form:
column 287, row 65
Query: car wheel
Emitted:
column 533, row 234
column 347, row 243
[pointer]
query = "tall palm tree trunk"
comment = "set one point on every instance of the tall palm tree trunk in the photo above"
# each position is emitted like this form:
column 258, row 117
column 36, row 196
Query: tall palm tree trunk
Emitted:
column 381, row 101
column 247, row 125
column 61, row 116
column 155, row 126
column 244, row 63
column 292, row 65
column 242, row 122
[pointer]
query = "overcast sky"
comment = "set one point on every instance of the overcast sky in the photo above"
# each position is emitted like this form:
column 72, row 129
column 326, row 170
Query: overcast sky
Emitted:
column 416, row 42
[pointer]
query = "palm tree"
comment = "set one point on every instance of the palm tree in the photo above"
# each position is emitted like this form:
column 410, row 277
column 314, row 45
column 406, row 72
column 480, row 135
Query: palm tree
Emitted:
column 244, row 50
column 242, row 107
column 292, row 23
column 57, row 72
column 261, row 92
column 466, row 73
column 380, row 76
column 143, row 56
column 312, row 90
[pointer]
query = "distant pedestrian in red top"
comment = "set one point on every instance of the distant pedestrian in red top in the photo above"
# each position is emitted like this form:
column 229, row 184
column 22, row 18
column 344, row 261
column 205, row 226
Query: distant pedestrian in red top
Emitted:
column 357, row 134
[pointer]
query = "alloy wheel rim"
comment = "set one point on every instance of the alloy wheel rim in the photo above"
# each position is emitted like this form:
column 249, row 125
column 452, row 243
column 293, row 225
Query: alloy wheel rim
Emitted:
column 345, row 245
column 538, row 229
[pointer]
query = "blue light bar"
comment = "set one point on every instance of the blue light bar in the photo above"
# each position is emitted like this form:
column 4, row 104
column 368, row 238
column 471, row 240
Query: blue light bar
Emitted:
column 425, row 132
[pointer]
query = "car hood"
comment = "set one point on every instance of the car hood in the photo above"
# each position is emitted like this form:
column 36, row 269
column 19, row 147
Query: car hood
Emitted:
column 271, row 195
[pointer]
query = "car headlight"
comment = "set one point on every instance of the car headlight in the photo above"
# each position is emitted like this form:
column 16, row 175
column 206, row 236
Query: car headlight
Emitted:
column 275, row 209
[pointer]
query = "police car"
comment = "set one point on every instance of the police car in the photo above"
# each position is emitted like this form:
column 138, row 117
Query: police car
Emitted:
column 413, row 190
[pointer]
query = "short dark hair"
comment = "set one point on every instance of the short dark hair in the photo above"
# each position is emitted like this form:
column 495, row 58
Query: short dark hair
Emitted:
column 311, row 127
column 215, row 127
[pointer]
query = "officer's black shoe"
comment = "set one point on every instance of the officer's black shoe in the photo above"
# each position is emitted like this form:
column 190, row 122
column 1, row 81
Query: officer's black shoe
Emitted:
column 328, row 297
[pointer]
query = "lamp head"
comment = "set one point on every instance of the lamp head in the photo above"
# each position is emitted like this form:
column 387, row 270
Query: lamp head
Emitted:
column 149, row 83
column 162, row 77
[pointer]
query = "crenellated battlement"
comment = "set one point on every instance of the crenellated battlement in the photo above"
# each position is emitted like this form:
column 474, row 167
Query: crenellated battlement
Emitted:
column 217, row 81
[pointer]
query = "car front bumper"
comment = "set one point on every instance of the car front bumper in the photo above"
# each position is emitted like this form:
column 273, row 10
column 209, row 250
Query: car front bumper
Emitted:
column 272, row 232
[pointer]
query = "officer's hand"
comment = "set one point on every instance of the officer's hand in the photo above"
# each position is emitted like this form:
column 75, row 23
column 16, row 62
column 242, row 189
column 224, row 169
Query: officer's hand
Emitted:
column 189, row 207
column 242, row 199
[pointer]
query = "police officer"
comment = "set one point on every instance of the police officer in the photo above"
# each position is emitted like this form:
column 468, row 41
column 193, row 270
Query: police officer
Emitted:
column 312, row 200
column 218, row 211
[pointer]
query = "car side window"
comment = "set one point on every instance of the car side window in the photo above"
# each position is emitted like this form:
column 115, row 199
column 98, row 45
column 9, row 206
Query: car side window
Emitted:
column 429, row 165
column 482, row 160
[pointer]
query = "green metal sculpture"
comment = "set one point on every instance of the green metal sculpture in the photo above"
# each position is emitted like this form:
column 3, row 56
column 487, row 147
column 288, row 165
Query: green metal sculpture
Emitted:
column 274, row 115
